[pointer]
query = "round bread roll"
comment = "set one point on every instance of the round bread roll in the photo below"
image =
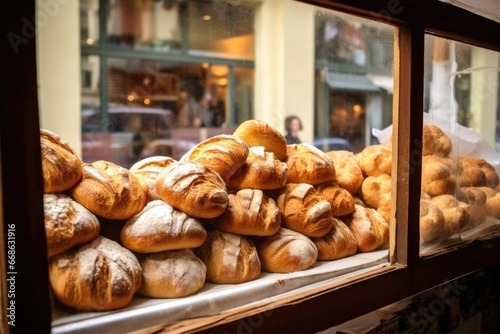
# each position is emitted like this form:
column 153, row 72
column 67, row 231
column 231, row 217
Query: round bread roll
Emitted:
column 286, row 251
column 193, row 188
column 477, row 172
column 148, row 169
column 308, row 164
column 340, row 199
column 375, row 160
column 368, row 227
column 223, row 154
column 110, row 191
column 492, row 202
column 476, row 198
column 439, row 175
column 348, row 174
column 61, row 166
column 304, row 210
column 249, row 212
column 259, row 133
column 376, row 193
column 435, row 141
column 230, row 258
column 160, row 227
column 100, row 275
column 336, row 244
column 171, row 274
column 456, row 214
column 67, row 223
column 431, row 222
column 260, row 171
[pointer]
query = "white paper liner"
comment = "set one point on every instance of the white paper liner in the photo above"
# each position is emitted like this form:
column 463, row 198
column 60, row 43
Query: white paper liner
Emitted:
column 211, row 299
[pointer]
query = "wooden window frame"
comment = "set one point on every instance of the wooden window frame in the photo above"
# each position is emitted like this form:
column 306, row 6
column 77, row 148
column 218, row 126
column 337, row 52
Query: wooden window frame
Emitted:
column 306, row 311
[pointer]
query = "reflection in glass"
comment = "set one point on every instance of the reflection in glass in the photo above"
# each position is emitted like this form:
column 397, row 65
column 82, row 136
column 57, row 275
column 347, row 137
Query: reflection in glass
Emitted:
column 461, row 163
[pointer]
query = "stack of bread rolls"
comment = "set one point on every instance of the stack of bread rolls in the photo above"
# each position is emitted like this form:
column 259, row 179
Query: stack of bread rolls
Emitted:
column 233, row 206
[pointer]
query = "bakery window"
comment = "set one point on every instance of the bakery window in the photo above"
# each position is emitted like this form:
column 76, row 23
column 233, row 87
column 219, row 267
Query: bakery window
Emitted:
column 309, row 295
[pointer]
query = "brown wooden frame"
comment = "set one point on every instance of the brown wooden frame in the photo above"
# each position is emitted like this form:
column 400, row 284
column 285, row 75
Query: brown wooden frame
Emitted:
column 304, row 312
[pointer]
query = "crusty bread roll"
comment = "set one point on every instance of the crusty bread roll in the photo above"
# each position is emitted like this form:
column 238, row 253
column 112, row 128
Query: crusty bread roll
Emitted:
column 340, row 199
column 262, row 170
column 67, row 223
column 308, row 164
column 223, row 154
column 477, row 172
column 286, row 251
column 375, row 160
column 338, row 243
column 435, row 141
column 100, row 275
column 110, row 191
column 368, row 227
column 376, row 193
column 230, row 258
column 249, row 212
column 171, row 274
column 439, row 175
column 61, row 166
column 304, row 210
column 159, row 227
column 259, row 133
column 348, row 174
column 492, row 202
column 147, row 169
column 456, row 214
column 476, row 198
column 431, row 222
column 193, row 188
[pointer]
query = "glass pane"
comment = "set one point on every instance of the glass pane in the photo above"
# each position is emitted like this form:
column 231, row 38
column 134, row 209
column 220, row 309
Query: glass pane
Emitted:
column 461, row 162
column 354, row 80
column 145, row 24
column 225, row 28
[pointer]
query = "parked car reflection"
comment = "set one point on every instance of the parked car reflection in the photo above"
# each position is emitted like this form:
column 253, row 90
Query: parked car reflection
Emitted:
column 331, row 144
column 122, row 136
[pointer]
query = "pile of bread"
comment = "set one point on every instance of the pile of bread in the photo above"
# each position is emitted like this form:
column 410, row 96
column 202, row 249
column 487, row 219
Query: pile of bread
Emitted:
column 232, row 207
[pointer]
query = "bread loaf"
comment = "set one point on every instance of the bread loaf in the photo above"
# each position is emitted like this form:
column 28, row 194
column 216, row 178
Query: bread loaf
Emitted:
column 249, row 212
column 308, row 164
column 492, row 202
column 262, row 170
column 348, row 174
column 439, row 175
column 338, row 243
column 229, row 258
column 431, row 222
column 148, row 169
column 61, row 166
column 304, row 210
column 286, row 251
column 260, row 133
column 100, row 275
column 193, row 188
column 159, row 227
column 223, row 154
column 375, row 160
column 340, row 199
column 171, row 274
column 67, row 223
column 368, row 227
column 110, row 191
